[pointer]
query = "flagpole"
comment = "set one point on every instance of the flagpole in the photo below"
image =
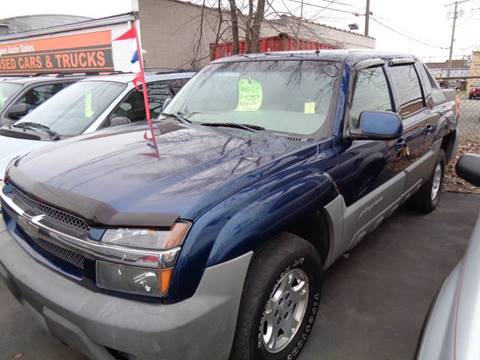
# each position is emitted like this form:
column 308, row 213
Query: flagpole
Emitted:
column 145, row 94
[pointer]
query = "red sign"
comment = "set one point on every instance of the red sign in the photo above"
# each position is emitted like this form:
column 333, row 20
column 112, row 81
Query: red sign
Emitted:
column 87, row 52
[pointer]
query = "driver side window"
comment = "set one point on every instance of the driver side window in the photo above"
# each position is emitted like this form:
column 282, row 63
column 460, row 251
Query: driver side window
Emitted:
column 371, row 93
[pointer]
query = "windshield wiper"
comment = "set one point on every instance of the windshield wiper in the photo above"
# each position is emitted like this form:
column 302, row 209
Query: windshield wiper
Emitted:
column 178, row 116
column 247, row 127
column 35, row 126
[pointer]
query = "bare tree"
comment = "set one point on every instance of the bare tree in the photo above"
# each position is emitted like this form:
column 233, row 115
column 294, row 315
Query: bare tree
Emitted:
column 256, row 23
column 234, row 19
column 252, row 22
column 198, row 45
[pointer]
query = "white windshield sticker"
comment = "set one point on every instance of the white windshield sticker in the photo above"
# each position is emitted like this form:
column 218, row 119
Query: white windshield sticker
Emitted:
column 250, row 95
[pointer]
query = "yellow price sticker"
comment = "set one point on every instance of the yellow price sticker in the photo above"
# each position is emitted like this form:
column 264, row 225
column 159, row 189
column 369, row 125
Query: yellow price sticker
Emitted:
column 250, row 95
column 309, row 108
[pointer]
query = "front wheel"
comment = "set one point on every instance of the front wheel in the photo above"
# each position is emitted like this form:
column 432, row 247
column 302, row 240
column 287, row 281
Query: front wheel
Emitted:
column 279, row 302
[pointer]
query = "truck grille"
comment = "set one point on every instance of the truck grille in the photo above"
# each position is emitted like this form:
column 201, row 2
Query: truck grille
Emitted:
column 58, row 252
column 59, row 220
column 74, row 223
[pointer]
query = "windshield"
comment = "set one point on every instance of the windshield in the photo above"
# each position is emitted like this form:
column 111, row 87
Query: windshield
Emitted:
column 287, row 96
column 7, row 90
column 71, row 111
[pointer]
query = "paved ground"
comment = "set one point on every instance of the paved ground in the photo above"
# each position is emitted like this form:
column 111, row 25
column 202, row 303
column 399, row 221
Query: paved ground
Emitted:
column 373, row 303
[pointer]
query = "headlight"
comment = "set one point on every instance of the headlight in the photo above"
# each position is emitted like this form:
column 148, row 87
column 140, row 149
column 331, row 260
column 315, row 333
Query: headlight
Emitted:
column 136, row 280
column 151, row 274
column 147, row 238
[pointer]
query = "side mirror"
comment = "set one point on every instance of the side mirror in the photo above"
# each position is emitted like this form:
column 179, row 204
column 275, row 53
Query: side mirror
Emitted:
column 166, row 102
column 119, row 120
column 378, row 125
column 468, row 168
column 17, row 111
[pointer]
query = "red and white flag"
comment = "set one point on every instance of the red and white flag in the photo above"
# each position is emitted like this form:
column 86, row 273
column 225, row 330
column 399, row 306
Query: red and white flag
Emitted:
column 131, row 34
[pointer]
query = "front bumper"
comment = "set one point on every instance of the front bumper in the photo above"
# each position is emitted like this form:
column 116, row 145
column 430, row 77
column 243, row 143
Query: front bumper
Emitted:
column 201, row 327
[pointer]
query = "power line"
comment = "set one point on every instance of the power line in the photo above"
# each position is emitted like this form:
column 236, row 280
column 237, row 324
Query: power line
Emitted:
column 322, row 10
column 337, row 2
column 406, row 35
column 326, row 8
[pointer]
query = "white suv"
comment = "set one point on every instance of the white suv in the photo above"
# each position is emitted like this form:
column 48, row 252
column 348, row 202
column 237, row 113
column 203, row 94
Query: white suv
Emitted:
column 87, row 106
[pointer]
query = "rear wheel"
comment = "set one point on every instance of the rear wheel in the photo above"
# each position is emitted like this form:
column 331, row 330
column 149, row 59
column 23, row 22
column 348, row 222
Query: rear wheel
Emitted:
column 428, row 196
column 280, row 301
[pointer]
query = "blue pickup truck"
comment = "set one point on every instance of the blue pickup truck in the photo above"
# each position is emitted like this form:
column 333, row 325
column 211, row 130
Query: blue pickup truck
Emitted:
column 208, row 240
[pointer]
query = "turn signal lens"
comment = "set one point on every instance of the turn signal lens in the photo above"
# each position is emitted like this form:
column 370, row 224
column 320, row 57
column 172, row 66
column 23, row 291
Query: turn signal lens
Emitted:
column 165, row 279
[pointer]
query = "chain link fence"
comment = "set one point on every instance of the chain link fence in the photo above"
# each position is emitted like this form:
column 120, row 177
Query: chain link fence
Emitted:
column 469, row 121
column 468, row 129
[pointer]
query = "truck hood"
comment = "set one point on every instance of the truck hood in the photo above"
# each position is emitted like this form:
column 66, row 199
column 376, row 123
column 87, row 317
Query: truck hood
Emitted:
column 10, row 148
column 115, row 178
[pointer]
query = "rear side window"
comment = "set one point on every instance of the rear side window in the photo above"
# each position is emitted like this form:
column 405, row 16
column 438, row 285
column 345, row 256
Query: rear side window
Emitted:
column 176, row 84
column 437, row 93
column 34, row 97
column 407, row 83
column 133, row 106
column 371, row 93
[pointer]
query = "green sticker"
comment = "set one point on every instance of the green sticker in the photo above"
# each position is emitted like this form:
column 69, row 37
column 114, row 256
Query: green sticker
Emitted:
column 250, row 95
column 88, row 112
column 2, row 98
column 309, row 108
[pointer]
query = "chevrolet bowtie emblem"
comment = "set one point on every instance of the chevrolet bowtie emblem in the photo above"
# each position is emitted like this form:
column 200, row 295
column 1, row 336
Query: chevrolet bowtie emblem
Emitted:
column 29, row 224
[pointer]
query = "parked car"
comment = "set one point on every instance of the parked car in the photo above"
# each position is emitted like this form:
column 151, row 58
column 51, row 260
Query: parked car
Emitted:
column 451, row 329
column 474, row 93
column 270, row 167
column 91, row 104
column 20, row 95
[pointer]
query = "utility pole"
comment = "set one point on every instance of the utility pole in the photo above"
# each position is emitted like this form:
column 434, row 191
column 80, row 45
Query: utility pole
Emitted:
column 452, row 39
column 367, row 17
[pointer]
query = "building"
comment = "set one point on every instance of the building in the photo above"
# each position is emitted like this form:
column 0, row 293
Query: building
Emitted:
column 474, row 70
column 459, row 69
column 84, row 46
column 174, row 34
column 20, row 24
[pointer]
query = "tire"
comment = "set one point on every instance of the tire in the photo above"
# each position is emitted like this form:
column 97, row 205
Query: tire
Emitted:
column 427, row 197
column 286, row 256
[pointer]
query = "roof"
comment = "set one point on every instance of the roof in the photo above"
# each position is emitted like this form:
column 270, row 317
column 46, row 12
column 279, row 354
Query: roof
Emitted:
column 277, row 20
column 26, row 23
column 280, row 21
column 38, row 79
column 457, row 64
column 128, row 77
column 81, row 25
column 342, row 55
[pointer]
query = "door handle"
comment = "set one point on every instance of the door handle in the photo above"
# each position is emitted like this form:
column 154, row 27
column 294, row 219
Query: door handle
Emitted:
column 428, row 129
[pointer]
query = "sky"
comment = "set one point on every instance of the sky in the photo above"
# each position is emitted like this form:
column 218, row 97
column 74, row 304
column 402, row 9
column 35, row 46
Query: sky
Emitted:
column 421, row 27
